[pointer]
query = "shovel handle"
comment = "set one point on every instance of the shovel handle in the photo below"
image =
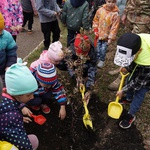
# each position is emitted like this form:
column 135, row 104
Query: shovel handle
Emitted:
column 122, row 80
column 85, row 108
column 33, row 116
column 82, row 90
column 121, row 83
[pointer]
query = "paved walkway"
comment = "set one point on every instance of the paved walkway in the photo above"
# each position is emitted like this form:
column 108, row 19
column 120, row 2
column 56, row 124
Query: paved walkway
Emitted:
column 28, row 42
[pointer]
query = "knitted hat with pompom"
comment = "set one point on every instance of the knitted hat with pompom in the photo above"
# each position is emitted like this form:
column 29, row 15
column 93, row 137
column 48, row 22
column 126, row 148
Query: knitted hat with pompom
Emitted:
column 46, row 73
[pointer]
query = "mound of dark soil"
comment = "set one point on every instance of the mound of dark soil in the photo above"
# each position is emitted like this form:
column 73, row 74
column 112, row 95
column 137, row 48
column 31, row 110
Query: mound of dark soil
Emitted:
column 71, row 133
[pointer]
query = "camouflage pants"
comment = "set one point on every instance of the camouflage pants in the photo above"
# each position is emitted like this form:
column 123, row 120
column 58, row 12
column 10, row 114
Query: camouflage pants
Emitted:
column 138, row 24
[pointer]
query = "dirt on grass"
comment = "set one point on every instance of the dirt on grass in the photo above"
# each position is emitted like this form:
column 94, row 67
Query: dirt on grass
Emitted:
column 71, row 134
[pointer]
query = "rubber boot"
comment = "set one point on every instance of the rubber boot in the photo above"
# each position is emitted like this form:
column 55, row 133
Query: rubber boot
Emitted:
column 115, row 84
column 113, row 72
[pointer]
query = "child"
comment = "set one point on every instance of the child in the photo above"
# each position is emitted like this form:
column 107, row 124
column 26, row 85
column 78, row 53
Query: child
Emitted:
column 8, row 48
column 53, row 55
column 18, row 91
column 81, row 63
column 105, row 25
column 48, row 11
column 45, row 74
column 133, row 53
column 75, row 16
column 12, row 12
column 29, row 11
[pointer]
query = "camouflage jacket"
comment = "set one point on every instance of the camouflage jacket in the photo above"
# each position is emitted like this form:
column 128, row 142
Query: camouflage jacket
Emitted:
column 138, row 11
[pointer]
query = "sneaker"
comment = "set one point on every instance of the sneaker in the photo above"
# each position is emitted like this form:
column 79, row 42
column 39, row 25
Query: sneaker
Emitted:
column 100, row 64
column 124, row 100
column 35, row 107
column 45, row 108
column 127, row 121
column 30, row 31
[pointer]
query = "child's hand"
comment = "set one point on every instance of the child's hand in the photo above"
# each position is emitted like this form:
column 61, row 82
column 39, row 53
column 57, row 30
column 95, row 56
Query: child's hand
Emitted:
column 13, row 28
column 26, row 119
column 35, row 13
column 123, row 70
column 6, row 68
column 87, row 96
column 62, row 112
column 19, row 28
column 123, row 19
column 109, row 41
column 26, row 111
column 119, row 93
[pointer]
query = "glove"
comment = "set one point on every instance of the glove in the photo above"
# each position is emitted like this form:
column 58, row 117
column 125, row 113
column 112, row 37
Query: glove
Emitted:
column 96, row 32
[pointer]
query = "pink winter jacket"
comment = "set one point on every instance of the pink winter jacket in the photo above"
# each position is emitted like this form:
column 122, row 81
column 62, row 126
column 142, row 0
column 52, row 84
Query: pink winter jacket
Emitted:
column 42, row 59
column 12, row 12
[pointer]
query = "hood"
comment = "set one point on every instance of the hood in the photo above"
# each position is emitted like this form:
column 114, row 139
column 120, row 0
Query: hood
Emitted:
column 115, row 9
column 77, row 3
column 8, row 104
column 43, row 59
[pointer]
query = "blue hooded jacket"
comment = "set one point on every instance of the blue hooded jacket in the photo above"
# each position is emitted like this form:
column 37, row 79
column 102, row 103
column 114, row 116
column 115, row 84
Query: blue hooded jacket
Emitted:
column 77, row 3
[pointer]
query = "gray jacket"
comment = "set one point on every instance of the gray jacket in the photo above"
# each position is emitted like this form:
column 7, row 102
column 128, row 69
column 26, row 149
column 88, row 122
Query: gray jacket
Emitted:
column 46, row 10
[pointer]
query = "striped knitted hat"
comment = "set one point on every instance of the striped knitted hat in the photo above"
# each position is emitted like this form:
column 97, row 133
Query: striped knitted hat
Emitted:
column 46, row 73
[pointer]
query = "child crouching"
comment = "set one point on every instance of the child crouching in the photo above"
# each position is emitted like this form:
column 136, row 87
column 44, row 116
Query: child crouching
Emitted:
column 20, row 85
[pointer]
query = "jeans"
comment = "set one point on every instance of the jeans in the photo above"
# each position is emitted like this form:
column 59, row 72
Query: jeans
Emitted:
column 47, row 29
column 137, row 99
column 101, row 50
column 41, row 99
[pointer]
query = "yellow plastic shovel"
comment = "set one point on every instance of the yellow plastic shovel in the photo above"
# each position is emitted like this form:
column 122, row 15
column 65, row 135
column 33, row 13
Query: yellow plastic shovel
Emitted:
column 86, row 118
column 114, row 108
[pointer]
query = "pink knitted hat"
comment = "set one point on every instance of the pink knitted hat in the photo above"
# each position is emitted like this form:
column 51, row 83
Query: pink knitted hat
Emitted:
column 55, row 52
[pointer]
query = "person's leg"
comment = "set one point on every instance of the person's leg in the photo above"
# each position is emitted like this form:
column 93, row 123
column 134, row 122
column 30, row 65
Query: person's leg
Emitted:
column 71, row 37
column 46, row 97
column 55, row 30
column 34, row 141
column 30, row 21
column 46, row 100
column 137, row 101
column 25, row 18
column 99, row 45
column 101, row 52
column 36, row 101
column 45, row 28
column 14, row 37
